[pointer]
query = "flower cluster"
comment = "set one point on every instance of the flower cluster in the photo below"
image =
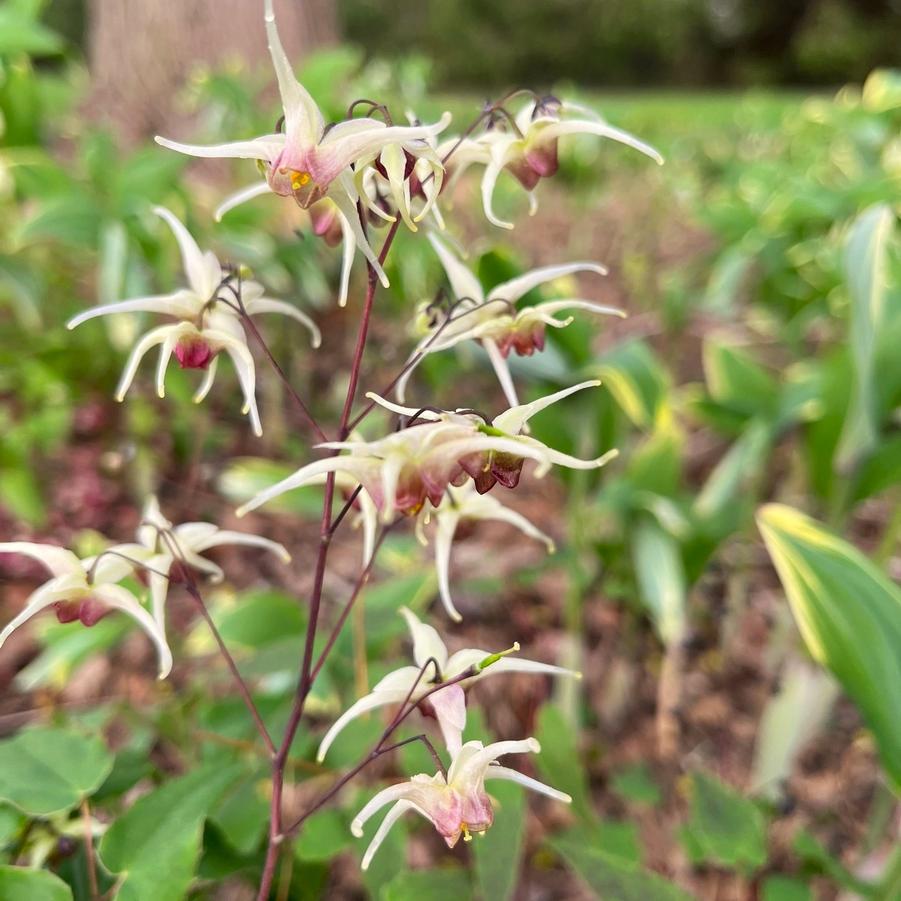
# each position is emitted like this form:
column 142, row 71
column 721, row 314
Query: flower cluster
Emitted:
column 436, row 466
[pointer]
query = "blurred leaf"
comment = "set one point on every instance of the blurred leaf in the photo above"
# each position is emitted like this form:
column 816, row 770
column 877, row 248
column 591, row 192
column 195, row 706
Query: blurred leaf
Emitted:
column 727, row 277
column 790, row 719
column 812, row 852
column 498, row 852
column 262, row 617
column 559, row 761
column 849, row 615
column 636, row 379
column 736, row 380
column 73, row 220
column 436, row 885
column 10, row 821
column 661, row 579
column 325, row 835
column 46, row 770
column 245, row 477
column 242, row 813
column 881, row 470
column 21, row 884
column 21, row 34
column 865, row 261
column 635, row 784
column 783, row 888
column 21, row 495
column 611, row 878
column 155, row 844
column 727, row 826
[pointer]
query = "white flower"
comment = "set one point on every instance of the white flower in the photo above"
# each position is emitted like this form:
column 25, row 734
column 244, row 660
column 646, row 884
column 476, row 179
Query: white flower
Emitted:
column 161, row 544
column 85, row 590
column 494, row 319
column 406, row 468
column 466, row 504
column 310, row 161
column 527, row 148
column 207, row 323
column 458, row 804
column 448, row 704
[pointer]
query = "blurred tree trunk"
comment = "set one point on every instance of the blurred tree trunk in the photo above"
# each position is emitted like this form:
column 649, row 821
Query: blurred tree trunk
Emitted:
column 142, row 51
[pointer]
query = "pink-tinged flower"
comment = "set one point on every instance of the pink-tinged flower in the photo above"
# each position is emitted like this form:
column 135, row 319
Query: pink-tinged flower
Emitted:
column 448, row 705
column 460, row 505
column 458, row 804
column 84, row 590
column 417, row 464
column 493, row 318
column 207, row 322
column 527, row 148
column 311, row 161
column 160, row 545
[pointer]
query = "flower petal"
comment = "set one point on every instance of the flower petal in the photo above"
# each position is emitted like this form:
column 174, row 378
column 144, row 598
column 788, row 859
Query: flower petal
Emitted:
column 515, row 288
column 57, row 560
column 152, row 338
column 601, row 129
column 393, row 815
column 196, row 267
column 239, row 197
column 225, row 536
column 427, row 644
column 266, row 148
column 462, row 281
column 179, row 303
column 502, row 371
column 502, row 772
column 512, row 420
column 444, row 538
column 370, row 702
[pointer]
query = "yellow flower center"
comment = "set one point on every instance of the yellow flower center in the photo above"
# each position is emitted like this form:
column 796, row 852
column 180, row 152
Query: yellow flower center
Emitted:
column 299, row 179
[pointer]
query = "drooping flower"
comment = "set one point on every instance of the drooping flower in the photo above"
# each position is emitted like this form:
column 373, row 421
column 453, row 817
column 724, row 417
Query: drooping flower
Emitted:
column 309, row 160
column 207, row 322
column 459, row 505
column 85, row 590
column 457, row 804
column 447, row 704
column 494, row 319
column 527, row 146
column 405, row 469
column 162, row 545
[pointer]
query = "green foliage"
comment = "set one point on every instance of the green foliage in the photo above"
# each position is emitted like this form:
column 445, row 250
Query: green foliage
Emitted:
column 45, row 770
column 849, row 614
column 20, row 884
column 498, row 854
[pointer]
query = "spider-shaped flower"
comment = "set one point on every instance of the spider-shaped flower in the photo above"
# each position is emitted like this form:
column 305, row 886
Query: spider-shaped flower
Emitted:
column 494, row 319
column 527, row 146
column 208, row 321
column 456, row 804
column 435, row 664
column 405, row 469
column 85, row 590
column 309, row 160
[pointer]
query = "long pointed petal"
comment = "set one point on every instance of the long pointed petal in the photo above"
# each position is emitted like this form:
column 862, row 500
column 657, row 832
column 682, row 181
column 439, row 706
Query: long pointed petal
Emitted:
column 225, row 536
column 502, row 371
column 489, row 181
column 57, row 560
column 502, row 772
column 207, row 382
column 462, row 281
column 444, row 539
column 391, row 818
column 344, row 198
column 364, row 705
column 239, row 197
column 515, row 288
column 266, row 148
column 417, row 792
column 174, row 304
column 268, row 305
column 49, row 593
column 552, row 307
column 192, row 257
column 152, row 338
column 426, row 643
column 244, row 367
column 601, row 129
column 512, row 420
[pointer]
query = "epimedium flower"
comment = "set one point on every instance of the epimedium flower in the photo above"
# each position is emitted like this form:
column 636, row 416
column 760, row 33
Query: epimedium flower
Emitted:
column 457, row 803
column 527, row 145
column 448, row 704
column 459, row 505
column 162, row 546
column 403, row 470
column 493, row 318
column 309, row 160
column 85, row 590
column 207, row 323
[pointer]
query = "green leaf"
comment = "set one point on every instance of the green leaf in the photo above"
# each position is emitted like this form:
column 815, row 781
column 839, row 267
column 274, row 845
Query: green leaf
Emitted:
column 736, row 380
column 636, row 784
column 242, row 814
column 559, row 761
column 154, row 846
column 611, row 878
column 783, row 888
column 727, row 826
column 262, row 617
column 47, row 770
column 21, row 884
column 436, row 885
column 637, row 381
column 245, row 477
column 865, row 263
column 849, row 615
column 21, row 34
column 21, row 493
column 324, row 836
column 661, row 579
column 498, row 852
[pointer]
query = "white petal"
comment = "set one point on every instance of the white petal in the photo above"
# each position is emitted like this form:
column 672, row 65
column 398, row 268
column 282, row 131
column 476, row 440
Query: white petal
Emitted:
column 502, row 772
column 57, row 560
column 166, row 349
column 601, row 129
column 391, row 818
column 176, row 304
column 470, row 769
column 502, row 371
column 429, row 415
column 345, row 197
column 552, row 307
column 489, row 180
column 196, row 268
column 267, row 305
column 417, row 792
column 121, row 599
column 444, row 538
column 303, row 120
column 58, row 589
column 244, row 367
column 462, row 281
column 206, row 383
column 265, row 148
column 364, row 705
column 239, row 197
column 449, row 705
column 152, row 338
column 348, row 250
column 225, row 536
column 515, row 288
column 512, row 420
column 427, row 644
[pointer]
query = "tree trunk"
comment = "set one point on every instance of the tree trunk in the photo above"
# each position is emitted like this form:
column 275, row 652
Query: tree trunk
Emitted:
column 142, row 51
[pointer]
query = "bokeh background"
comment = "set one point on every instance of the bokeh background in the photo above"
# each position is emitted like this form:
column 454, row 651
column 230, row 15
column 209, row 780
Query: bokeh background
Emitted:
column 733, row 382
